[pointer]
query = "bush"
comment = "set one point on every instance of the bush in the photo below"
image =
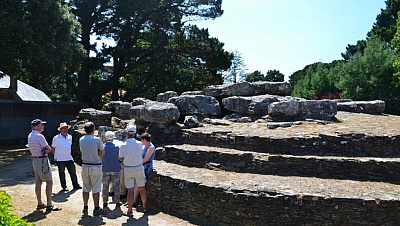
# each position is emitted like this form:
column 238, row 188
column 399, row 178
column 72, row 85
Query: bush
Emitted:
column 7, row 217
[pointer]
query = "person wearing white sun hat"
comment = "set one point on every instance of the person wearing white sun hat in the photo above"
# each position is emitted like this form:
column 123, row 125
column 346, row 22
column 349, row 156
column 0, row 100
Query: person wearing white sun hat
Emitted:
column 61, row 148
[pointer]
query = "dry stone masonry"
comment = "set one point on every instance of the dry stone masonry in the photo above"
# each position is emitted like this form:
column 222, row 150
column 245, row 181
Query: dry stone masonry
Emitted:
column 231, row 177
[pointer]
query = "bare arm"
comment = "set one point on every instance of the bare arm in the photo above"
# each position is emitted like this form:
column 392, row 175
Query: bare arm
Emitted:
column 149, row 152
column 102, row 152
column 53, row 150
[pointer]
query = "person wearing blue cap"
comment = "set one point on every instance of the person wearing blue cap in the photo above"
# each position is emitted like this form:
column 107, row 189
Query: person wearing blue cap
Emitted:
column 41, row 165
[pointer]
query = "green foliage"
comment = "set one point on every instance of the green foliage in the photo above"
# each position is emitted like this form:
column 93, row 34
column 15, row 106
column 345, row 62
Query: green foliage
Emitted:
column 153, row 51
column 368, row 76
column 190, row 61
column 317, row 82
column 396, row 48
column 274, row 76
column 255, row 77
column 305, row 86
column 7, row 217
column 352, row 50
column 39, row 43
column 385, row 25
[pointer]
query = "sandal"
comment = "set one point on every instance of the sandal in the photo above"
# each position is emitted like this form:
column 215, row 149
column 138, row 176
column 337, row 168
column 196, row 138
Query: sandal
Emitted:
column 41, row 206
column 53, row 208
column 128, row 214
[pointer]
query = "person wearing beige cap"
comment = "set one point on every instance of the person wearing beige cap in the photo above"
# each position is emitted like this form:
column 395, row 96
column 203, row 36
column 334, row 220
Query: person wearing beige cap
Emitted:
column 61, row 148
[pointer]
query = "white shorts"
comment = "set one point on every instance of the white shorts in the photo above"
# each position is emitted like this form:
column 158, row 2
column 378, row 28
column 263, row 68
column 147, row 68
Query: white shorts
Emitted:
column 134, row 176
column 91, row 178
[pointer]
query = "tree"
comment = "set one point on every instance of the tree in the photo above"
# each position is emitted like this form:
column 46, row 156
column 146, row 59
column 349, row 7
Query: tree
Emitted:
column 385, row 25
column 142, row 31
column 39, row 39
column 236, row 73
column 191, row 61
column 352, row 50
column 255, row 77
column 274, row 76
column 369, row 76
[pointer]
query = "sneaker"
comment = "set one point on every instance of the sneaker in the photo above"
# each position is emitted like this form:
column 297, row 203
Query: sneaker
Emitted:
column 98, row 212
column 85, row 210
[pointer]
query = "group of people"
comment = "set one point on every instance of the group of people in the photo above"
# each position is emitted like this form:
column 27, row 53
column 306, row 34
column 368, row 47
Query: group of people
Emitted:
column 124, row 165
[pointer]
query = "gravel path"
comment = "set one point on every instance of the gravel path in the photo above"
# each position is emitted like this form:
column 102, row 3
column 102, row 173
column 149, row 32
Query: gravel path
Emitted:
column 16, row 178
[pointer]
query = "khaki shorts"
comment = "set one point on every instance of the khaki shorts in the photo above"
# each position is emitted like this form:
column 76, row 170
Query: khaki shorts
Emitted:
column 91, row 178
column 134, row 176
column 42, row 169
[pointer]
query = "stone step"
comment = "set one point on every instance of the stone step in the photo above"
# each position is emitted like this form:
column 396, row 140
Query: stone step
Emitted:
column 350, row 145
column 231, row 198
column 352, row 168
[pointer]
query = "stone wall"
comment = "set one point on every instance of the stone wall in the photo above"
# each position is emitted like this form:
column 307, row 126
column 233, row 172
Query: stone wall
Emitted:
column 366, row 169
column 236, row 207
column 324, row 144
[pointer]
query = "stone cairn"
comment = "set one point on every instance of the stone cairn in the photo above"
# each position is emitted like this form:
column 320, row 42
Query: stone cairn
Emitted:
column 199, row 174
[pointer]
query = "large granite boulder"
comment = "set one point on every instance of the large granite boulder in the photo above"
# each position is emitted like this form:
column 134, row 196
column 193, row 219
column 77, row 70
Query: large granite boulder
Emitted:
column 164, row 97
column 248, row 89
column 196, row 105
column 254, row 105
column 192, row 93
column 139, row 101
column 155, row 112
column 99, row 118
column 313, row 109
column 118, row 108
column 120, row 134
column 367, row 107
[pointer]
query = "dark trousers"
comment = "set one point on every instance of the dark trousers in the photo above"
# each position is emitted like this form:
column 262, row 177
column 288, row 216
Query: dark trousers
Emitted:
column 70, row 165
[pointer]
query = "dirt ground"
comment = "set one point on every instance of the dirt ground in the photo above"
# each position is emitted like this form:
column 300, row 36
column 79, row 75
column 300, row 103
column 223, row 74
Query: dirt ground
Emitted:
column 16, row 178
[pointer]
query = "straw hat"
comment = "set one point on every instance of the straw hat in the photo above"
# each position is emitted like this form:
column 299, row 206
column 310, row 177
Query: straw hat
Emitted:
column 63, row 124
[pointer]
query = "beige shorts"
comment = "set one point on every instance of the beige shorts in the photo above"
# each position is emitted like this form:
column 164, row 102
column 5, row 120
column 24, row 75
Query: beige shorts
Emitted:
column 134, row 176
column 42, row 169
column 91, row 178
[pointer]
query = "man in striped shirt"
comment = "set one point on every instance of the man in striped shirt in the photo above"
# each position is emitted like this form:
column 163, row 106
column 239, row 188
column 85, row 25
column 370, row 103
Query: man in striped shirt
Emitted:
column 41, row 166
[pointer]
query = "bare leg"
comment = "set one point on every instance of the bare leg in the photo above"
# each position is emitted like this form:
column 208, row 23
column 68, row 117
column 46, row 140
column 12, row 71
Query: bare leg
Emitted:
column 130, row 199
column 96, row 198
column 38, row 191
column 135, row 194
column 49, row 187
column 85, row 196
column 143, row 196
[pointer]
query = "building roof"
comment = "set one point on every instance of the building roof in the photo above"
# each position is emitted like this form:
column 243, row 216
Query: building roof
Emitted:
column 24, row 91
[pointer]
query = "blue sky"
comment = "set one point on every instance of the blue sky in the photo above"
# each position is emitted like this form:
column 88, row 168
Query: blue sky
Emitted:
column 287, row 35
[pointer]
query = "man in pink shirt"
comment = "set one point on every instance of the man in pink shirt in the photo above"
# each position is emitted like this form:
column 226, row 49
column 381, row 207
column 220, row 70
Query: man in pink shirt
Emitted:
column 41, row 166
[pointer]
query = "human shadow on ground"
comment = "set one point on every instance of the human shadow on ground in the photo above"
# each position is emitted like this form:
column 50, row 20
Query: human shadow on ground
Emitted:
column 113, row 213
column 91, row 220
column 36, row 216
column 141, row 221
column 63, row 196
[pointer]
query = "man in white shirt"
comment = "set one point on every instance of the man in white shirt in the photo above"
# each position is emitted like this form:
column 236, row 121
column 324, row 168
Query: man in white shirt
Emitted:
column 61, row 148
column 131, row 155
